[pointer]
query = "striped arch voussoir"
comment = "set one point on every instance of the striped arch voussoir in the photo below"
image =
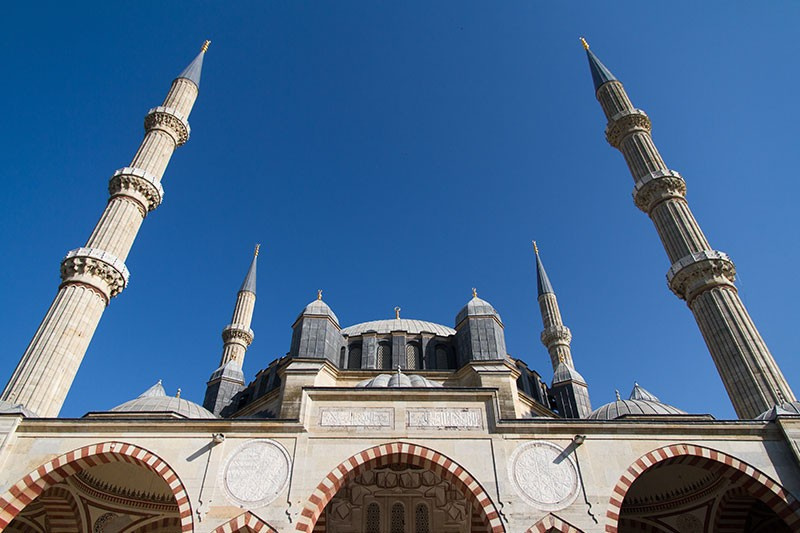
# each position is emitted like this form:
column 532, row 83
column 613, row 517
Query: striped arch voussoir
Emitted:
column 393, row 453
column 245, row 523
column 755, row 482
column 35, row 483
column 552, row 523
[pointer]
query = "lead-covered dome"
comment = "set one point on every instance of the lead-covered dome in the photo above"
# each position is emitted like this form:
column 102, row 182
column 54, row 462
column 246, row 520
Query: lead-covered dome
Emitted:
column 398, row 380
column 318, row 308
column 640, row 403
column 154, row 402
column 477, row 307
column 407, row 325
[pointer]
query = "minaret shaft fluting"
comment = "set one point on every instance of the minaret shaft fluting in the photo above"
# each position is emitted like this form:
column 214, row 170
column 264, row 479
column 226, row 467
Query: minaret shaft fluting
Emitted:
column 95, row 273
column 700, row 275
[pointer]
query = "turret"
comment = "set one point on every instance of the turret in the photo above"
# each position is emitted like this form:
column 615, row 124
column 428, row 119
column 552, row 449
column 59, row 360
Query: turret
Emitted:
column 479, row 332
column 228, row 379
column 699, row 275
column 316, row 333
column 95, row 273
column 569, row 388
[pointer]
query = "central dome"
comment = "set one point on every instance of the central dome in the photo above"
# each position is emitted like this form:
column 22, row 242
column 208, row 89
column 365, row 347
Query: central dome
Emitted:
column 398, row 324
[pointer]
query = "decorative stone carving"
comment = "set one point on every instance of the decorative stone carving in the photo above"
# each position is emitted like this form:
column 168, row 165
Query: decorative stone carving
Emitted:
column 556, row 334
column 695, row 273
column 356, row 417
column 543, row 475
column 96, row 268
column 445, row 418
column 652, row 189
column 256, row 473
column 624, row 123
column 234, row 332
column 137, row 184
column 170, row 122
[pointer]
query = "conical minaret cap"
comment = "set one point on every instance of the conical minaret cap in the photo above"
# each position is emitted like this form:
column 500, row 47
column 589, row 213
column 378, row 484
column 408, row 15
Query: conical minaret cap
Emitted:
column 195, row 68
column 249, row 283
column 543, row 285
column 600, row 74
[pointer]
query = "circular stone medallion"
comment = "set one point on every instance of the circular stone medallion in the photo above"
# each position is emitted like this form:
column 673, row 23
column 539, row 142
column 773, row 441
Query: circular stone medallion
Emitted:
column 256, row 473
column 544, row 477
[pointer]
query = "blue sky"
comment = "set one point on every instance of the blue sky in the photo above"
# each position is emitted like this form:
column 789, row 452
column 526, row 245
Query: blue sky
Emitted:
column 398, row 154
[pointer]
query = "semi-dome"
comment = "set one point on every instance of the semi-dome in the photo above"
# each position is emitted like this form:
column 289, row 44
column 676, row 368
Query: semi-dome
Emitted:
column 318, row 308
column 640, row 403
column 398, row 324
column 398, row 380
column 477, row 307
column 154, row 402
column 786, row 408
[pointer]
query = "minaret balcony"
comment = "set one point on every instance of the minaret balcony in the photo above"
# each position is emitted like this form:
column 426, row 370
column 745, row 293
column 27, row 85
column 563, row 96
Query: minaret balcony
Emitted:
column 168, row 120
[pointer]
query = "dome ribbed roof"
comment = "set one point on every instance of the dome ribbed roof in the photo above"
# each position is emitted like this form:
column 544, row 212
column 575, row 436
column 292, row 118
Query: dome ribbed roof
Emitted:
column 398, row 324
column 398, row 380
column 476, row 307
column 155, row 400
column 318, row 308
column 619, row 408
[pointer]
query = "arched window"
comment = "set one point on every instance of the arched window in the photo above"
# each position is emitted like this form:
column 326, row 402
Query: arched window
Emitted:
column 342, row 357
column 384, row 358
column 398, row 524
column 441, row 357
column 372, row 523
column 413, row 356
column 422, row 521
column 354, row 357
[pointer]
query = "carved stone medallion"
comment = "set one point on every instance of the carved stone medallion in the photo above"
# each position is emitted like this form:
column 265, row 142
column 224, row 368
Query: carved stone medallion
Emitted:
column 543, row 475
column 256, row 473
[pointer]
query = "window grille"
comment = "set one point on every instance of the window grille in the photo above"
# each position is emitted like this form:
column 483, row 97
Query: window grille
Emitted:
column 441, row 357
column 373, row 522
column 398, row 524
column 413, row 359
column 384, row 359
column 422, row 522
column 354, row 358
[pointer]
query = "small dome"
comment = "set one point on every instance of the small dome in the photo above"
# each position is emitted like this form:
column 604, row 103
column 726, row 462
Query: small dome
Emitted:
column 414, row 327
column 398, row 380
column 564, row 372
column 155, row 401
column 640, row 403
column 318, row 308
column 477, row 307
column 786, row 408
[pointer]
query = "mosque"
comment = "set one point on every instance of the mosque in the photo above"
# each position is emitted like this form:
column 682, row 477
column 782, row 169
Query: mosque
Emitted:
column 400, row 425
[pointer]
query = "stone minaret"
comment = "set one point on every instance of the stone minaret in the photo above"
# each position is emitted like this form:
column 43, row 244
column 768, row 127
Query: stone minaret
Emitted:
column 95, row 273
column 569, row 388
column 228, row 379
column 700, row 275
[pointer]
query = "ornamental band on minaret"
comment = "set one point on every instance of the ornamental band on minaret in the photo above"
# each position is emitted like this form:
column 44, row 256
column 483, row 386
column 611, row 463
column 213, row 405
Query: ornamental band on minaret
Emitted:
column 95, row 273
column 700, row 275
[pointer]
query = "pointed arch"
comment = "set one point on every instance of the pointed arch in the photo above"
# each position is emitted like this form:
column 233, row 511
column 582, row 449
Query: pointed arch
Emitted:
column 398, row 452
column 61, row 509
column 245, row 523
column 53, row 472
column 753, row 481
column 551, row 522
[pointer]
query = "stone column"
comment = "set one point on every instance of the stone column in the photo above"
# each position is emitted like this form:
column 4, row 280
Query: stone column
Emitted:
column 95, row 273
column 700, row 275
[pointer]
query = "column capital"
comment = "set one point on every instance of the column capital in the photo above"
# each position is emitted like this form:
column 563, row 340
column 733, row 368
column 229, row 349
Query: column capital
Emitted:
column 168, row 120
column 697, row 272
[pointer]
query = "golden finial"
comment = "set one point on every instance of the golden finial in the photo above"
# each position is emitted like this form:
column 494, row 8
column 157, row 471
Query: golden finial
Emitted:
column 535, row 248
column 397, row 312
column 474, row 292
column 319, row 294
column 178, row 394
column 255, row 253
column 204, row 48
column 584, row 43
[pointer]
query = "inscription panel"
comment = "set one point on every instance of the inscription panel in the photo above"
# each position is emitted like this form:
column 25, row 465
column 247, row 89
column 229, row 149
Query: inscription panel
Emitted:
column 256, row 473
column 445, row 418
column 544, row 475
column 355, row 417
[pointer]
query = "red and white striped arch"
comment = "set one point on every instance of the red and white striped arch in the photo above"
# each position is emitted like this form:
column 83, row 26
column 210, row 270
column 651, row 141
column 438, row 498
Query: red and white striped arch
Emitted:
column 245, row 523
column 403, row 453
column 35, row 483
column 752, row 480
column 552, row 523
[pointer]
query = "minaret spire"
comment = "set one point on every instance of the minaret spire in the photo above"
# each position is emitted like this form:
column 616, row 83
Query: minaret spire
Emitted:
column 228, row 378
column 94, row 273
column 195, row 68
column 700, row 275
column 569, row 387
